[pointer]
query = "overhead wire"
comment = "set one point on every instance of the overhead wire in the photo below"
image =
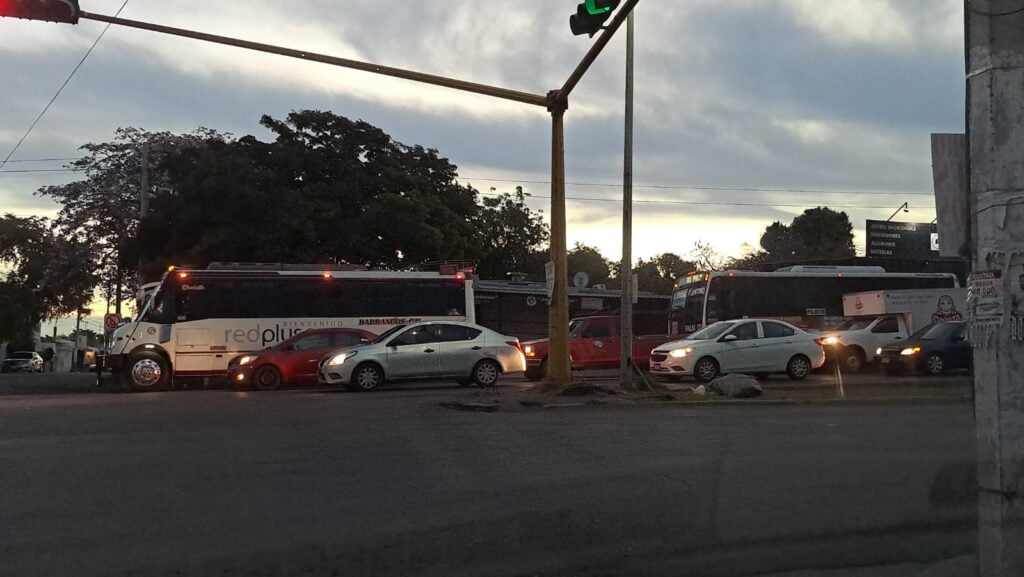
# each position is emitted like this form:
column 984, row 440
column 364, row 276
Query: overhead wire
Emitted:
column 60, row 90
column 702, row 203
column 707, row 188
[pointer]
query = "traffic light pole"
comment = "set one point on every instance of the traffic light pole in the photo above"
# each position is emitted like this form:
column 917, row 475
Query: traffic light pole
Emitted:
column 556, row 102
column 559, row 369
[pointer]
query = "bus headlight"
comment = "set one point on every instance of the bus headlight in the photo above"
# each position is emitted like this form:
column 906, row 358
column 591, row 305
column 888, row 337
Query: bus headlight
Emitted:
column 246, row 360
column 909, row 352
column 528, row 351
column 679, row 353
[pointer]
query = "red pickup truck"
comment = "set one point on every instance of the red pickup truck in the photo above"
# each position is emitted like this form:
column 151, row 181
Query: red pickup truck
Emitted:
column 593, row 344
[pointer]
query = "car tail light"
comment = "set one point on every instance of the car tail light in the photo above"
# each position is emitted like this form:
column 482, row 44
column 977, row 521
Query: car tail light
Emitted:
column 515, row 344
column 819, row 342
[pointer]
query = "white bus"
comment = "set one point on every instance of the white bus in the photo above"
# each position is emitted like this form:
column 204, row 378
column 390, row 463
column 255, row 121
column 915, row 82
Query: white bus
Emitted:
column 197, row 320
column 810, row 297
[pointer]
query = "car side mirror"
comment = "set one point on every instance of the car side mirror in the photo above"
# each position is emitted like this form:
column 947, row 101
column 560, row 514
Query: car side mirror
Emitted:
column 364, row 341
column 729, row 338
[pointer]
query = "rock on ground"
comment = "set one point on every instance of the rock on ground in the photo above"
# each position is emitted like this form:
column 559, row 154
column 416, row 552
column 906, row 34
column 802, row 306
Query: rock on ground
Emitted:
column 737, row 386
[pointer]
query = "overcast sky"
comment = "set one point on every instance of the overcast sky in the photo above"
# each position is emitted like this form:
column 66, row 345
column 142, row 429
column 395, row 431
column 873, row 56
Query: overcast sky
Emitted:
column 811, row 95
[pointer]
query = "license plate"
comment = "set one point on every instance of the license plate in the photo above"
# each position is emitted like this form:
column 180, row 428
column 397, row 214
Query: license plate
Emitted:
column 886, row 360
column 655, row 366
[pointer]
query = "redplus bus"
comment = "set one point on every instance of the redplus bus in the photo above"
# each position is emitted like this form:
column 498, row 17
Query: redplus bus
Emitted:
column 197, row 320
column 810, row 297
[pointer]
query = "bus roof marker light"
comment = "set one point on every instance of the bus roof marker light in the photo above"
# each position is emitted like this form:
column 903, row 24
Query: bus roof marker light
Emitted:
column 171, row 268
column 183, row 275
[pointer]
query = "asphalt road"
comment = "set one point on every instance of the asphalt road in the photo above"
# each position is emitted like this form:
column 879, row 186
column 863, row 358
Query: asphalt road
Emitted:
column 314, row 482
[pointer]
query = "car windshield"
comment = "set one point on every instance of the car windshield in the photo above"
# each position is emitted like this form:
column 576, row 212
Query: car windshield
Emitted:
column 384, row 335
column 21, row 356
column 853, row 325
column 938, row 332
column 711, row 332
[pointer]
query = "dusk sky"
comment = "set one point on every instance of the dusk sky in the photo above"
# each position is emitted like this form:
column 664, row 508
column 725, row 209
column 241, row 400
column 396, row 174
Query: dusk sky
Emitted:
column 834, row 99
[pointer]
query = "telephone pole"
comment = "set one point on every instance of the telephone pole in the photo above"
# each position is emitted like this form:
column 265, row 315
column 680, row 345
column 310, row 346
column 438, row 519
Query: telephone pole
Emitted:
column 626, row 308
column 995, row 131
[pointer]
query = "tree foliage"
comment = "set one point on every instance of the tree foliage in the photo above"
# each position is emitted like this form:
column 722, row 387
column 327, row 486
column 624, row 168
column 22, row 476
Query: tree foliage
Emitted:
column 583, row 258
column 44, row 275
column 331, row 190
column 818, row 233
column 660, row 273
column 512, row 238
column 103, row 210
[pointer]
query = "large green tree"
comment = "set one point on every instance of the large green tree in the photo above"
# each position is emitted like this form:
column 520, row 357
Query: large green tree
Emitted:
column 660, row 273
column 326, row 189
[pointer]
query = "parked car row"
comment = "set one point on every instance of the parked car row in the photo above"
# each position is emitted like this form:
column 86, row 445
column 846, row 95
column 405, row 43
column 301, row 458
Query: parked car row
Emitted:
column 361, row 361
column 472, row 354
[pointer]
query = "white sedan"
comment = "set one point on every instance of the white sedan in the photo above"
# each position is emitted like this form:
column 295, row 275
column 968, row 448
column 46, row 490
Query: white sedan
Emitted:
column 755, row 346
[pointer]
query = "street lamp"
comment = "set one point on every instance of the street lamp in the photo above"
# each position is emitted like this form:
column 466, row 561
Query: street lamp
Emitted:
column 904, row 207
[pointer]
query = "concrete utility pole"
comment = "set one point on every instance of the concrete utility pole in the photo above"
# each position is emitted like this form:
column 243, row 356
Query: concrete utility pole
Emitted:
column 995, row 129
column 626, row 271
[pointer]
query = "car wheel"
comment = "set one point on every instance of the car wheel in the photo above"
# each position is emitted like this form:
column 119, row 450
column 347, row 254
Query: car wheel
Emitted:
column 367, row 377
column 147, row 371
column 853, row 359
column 486, row 373
column 266, row 378
column 537, row 373
column 706, row 370
column 935, row 364
column 798, row 368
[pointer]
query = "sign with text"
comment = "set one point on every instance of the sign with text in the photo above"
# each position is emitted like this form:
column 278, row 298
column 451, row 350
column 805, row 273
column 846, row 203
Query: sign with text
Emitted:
column 985, row 297
column 910, row 240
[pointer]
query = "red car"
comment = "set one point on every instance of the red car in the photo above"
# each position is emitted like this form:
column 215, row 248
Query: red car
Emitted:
column 293, row 361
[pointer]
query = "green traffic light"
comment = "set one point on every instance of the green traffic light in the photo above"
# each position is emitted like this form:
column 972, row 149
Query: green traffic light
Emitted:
column 593, row 9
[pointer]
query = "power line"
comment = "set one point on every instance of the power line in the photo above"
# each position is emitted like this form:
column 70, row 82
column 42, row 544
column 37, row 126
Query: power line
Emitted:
column 61, row 89
column 708, row 188
column 42, row 160
column 703, row 203
column 28, row 170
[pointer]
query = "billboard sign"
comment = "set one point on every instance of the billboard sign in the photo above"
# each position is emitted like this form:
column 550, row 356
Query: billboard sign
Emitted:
column 909, row 240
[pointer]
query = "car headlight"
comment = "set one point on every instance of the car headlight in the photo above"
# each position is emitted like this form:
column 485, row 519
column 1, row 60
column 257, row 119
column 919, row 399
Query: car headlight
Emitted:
column 528, row 351
column 679, row 353
column 247, row 359
column 878, row 352
column 340, row 358
column 907, row 352
column 831, row 341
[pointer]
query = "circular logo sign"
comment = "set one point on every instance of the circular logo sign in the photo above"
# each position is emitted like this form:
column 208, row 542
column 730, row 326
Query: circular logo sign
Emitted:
column 531, row 301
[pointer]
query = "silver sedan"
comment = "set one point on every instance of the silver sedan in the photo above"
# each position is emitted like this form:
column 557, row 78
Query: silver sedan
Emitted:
column 465, row 352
